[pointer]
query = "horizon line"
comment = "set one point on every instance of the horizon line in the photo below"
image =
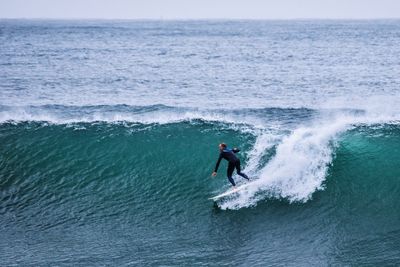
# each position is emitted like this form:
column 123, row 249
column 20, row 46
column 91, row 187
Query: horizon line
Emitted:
column 196, row 19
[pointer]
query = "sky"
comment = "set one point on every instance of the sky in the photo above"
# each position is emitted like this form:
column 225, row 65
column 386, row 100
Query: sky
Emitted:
column 200, row 9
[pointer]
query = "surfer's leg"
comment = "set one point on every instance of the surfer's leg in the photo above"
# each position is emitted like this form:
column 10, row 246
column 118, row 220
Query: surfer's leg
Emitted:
column 237, row 165
column 232, row 181
column 231, row 167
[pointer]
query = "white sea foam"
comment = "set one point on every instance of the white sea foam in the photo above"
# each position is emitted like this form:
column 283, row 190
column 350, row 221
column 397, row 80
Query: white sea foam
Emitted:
column 300, row 165
column 163, row 116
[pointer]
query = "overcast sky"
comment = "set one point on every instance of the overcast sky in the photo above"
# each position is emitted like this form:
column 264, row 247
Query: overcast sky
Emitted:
column 198, row 9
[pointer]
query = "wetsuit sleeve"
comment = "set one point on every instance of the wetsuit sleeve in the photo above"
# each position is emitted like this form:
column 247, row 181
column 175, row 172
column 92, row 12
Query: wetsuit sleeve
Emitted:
column 235, row 150
column 218, row 162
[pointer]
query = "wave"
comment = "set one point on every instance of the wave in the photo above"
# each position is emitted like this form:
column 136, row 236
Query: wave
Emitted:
column 298, row 168
column 160, row 114
column 300, row 163
column 246, row 119
column 289, row 157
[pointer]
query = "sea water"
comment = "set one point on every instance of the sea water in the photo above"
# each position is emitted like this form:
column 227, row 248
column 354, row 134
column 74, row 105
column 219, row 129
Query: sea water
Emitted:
column 109, row 131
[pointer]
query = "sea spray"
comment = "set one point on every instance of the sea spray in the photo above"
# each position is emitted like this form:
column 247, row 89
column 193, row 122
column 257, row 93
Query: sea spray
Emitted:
column 302, row 158
column 298, row 168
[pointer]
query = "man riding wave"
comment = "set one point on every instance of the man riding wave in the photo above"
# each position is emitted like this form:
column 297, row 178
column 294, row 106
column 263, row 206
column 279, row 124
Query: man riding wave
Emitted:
column 234, row 162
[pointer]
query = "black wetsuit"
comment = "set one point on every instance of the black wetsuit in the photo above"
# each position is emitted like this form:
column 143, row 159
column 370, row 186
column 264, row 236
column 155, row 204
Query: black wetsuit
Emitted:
column 234, row 162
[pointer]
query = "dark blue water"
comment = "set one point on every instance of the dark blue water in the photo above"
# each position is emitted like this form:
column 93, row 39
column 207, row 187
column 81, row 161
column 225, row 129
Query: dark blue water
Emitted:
column 109, row 134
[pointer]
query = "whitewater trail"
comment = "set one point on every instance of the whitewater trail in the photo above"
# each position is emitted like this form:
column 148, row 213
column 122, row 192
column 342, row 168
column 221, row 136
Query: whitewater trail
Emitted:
column 301, row 161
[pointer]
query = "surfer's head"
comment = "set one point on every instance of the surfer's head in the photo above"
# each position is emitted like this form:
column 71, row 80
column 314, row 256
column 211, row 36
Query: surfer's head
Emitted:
column 222, row 146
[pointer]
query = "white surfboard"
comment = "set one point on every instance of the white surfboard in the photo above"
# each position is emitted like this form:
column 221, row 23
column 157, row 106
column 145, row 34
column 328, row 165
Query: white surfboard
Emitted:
column 230, row 192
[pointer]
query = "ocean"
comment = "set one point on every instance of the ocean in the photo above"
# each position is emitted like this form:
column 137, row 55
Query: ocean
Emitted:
column 109, row 133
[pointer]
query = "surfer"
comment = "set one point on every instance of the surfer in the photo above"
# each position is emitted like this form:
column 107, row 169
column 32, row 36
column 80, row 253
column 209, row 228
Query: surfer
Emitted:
column 234, row 162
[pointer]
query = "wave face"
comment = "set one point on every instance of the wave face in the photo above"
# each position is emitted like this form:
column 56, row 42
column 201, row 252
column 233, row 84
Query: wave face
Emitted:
column 109, row 134
column 90, row 175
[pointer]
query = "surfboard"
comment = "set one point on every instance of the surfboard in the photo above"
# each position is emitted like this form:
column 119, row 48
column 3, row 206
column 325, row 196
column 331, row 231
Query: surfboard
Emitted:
column 229, row 192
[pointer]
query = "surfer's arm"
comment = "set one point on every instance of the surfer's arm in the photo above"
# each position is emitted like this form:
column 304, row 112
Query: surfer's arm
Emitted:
column 218, row 162
column 235, row 150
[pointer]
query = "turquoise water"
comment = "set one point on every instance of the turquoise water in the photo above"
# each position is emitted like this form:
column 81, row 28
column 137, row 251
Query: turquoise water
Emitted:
column 109, row 132
column 134, row 194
